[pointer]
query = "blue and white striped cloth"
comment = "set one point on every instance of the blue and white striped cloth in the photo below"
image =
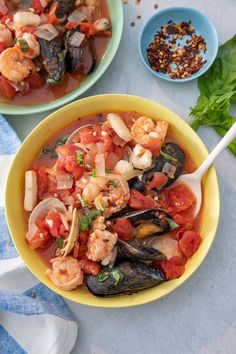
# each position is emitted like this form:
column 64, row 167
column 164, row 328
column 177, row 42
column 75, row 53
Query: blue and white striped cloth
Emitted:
column 33, row 319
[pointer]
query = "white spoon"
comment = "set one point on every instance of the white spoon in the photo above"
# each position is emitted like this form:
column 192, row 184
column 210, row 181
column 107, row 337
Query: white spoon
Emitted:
column 193, row 180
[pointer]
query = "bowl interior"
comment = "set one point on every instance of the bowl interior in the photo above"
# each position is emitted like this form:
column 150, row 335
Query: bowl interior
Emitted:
column 56, row 121
column 202, row 26
column 116, row 14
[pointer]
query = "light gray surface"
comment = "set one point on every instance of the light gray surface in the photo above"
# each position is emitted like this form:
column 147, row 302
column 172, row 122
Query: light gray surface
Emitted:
column 200, row 316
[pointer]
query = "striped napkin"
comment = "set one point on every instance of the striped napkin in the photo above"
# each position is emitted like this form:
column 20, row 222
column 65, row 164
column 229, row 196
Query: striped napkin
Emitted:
column 33, row 319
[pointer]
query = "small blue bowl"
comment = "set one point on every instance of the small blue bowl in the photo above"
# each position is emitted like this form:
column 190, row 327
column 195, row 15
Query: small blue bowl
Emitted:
column 200, row 22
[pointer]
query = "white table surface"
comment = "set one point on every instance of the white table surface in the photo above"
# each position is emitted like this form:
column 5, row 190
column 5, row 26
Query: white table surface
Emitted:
column 200, row 316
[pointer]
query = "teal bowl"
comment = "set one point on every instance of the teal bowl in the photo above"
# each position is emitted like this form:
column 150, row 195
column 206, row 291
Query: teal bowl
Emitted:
column 116, row 14
column 202, row 26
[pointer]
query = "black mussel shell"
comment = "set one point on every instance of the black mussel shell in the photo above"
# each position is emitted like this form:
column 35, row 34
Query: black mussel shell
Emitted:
column 174, row 155
column 138, row 253
column 126, row 277
column 64, row 7
column 136, row 184
column 53, row 63
column 147, row 222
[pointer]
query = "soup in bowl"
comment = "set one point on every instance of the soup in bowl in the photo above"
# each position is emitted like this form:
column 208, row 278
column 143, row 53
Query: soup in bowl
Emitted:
column 102, row 214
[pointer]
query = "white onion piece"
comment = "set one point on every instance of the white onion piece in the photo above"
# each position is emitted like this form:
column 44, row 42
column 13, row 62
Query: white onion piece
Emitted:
column 77, row 16
column 24, row 18
column 6, row 36
column 169, row 170
column 73, row 235
column 49, row 27
column 119, row 126
column 3, row 9
column 167, row 246
column 100, row 165
column 68, row 200
column 46, row 205
column 64, row 221
column 31, row 189
column 44, row 34
column 64, row 181
column 44, row 3
column 131, row 174
column 118, row 141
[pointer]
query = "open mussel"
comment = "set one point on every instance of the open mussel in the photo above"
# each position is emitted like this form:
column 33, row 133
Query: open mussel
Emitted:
column 171, row 162
column 80, row 52
column 53, row 63
column 126, row 277
column 134, row 252
column 147, row 222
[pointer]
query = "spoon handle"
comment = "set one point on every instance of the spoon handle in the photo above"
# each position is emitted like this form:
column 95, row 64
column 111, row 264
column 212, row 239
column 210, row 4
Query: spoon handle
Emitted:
column 225, row 141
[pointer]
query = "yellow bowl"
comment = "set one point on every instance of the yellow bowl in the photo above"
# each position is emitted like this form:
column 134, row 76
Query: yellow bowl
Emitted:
column 64, row 116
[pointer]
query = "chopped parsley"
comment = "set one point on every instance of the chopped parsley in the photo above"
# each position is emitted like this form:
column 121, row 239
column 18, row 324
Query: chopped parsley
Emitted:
column 168, row 156
column 86, row 221
column 102, row 276
column 117, row 275
column 108, row 171
column 79, row 157
column 83, row 202
column 70, row 177
column 51, row 151
column 113, row 183
column 23, row 45
column 94, row 173
column 172, row 224
column 60, row 242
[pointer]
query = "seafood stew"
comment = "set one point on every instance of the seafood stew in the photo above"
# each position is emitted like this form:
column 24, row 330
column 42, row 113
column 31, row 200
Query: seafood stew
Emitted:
column 48, row 48
column 104, row 208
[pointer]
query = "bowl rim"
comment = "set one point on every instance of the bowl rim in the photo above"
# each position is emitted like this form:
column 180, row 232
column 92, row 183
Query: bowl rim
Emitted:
column 204, row 68
column 72, row 95
column 69, row 294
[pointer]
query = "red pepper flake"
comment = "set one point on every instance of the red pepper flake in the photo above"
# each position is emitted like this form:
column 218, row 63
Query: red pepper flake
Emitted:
column 177, row 50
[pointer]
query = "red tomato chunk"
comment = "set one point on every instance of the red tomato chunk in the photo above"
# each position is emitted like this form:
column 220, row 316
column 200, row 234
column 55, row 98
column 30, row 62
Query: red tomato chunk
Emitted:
column 35, row 80
column 158, row 181
column 89, row 267
column 189, row 243
column 6, row 88
column 138, row 201
column 173, row 267
column 123, row 228
column 180, row 198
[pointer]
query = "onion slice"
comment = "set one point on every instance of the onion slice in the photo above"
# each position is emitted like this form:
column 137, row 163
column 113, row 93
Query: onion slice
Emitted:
column 119, row 126
column 100, row 165
column 77, row 16
column 73, row 235
column 47, row 32
column 46, row 205
column 166, row 245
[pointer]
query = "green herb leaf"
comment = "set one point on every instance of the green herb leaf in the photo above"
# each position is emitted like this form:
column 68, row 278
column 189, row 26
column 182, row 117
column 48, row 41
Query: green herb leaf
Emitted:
column 62, row 55
column 168, row 157
column 53, row 154
column 70, row 177
column 84, row 223
column 113, row 183
column 60, row 242
column 79, row 157
column 94, row 173
column 83, row 202
column 23, row 45
column 172, row 224
column 52, row 82
column 108, row 171
column 44, row 151
column 217, row 92
column 61, row 141
column 117, row 275
column 102, row 276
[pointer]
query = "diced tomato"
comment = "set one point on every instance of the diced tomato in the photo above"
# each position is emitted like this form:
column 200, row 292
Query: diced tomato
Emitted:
column 6, row 88
column 123, row 228
column 154, row 145
column 54, row 222
column 89, row 267
column 180, row 198
column 90, row 134
column 40, row 239
column 35, row 80
column 158, row 181
column 129, row 118
column 173, row 267
column 83, row 237
column 28, row 29
column 42, row 181
column 3, row 46
column 189, row 243
column 71, row 25
column 88, row 28
column 138, row 201
column 67, row 159
column 184, row 217
column 37, row 6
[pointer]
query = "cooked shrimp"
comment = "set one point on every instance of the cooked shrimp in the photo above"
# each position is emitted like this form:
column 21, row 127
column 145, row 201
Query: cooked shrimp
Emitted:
column 100, row 245
column 65, row 273
column 14, row 66
column 99, row 223
column 144, row 129
column 33, row 44
column 93, row 188
column 114, row 197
